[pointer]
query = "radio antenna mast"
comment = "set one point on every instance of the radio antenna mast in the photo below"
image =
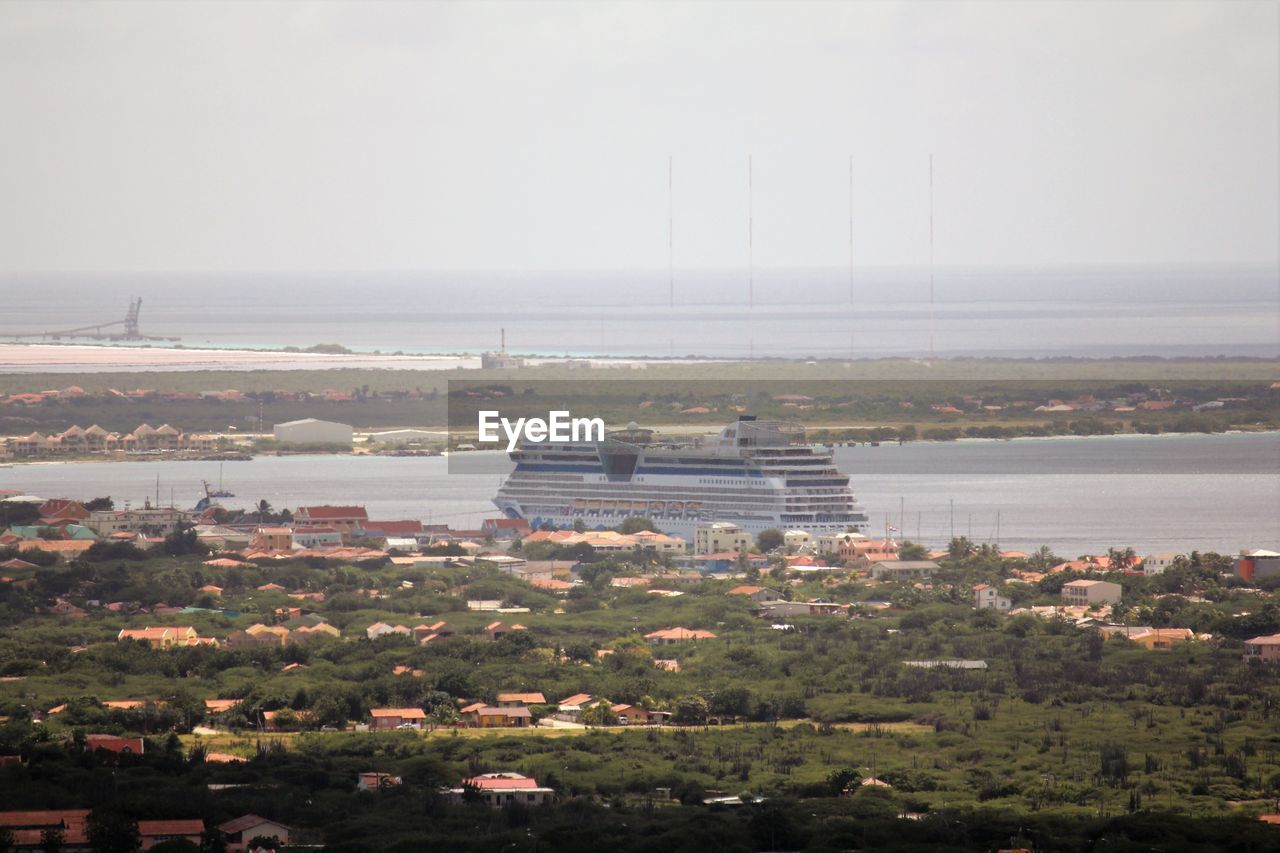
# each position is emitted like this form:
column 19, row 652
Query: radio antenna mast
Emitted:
column 671, row 236
column 751, row 257
column 932, row 325
column 850, row 257
column 850, row 229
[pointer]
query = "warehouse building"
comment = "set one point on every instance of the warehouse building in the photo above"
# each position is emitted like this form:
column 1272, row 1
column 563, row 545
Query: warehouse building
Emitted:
column 313, row 431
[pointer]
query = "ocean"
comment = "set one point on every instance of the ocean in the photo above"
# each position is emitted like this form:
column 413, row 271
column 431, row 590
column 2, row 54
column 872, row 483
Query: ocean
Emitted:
column 1082, row 311
column 1077, row 495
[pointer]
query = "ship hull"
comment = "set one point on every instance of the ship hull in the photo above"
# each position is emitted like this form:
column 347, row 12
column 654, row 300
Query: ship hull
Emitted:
column 756, row 476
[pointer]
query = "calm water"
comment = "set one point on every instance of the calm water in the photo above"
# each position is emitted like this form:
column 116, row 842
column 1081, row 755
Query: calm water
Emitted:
column 1212, row 493
column 1080, row 310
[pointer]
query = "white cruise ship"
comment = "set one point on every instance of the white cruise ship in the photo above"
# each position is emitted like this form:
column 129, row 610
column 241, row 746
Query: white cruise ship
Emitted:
column 755, row 474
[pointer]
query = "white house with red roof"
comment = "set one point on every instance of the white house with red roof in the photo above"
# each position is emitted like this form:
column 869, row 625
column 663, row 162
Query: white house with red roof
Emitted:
column 501, row 789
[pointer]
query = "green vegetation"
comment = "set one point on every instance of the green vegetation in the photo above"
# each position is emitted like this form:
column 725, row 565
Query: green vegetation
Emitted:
column 883, row 400
column 1065, row 737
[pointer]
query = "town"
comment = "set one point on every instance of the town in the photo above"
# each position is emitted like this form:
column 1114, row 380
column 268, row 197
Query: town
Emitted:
column 225, row 644
column 179, row 420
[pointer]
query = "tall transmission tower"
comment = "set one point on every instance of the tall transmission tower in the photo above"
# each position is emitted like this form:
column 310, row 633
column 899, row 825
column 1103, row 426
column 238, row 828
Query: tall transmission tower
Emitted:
column 751, row 257
column 932, row 324
column 671, row 236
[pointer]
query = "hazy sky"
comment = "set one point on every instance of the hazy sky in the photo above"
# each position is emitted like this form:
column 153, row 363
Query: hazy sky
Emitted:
column 328, row 136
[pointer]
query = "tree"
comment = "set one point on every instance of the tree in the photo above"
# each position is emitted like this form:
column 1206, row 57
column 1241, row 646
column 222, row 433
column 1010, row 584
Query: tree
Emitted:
column 690, row 711
column 839, row 781
column 184, row 541
column 1042, row 559
column 51, row 840
column 100, row 504
column 443, row 714
column 731, row 702
column 912, row 551
column 113, row 832
column 1121, row 558
column 637, row 524
column 768, row 540
column 600, row 714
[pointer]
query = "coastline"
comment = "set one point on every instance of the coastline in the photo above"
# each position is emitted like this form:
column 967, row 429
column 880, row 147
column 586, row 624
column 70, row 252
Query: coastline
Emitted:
column 101, row 460
column 53, row 357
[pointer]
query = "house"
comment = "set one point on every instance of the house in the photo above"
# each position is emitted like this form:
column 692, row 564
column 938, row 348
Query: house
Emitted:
column 382, row 629
column 1158, row 639
column 720, row 562
column 1263, row 649
column 304, row 633
column 272, row 538
column 831, row 544
column 1090, row 593
column 671, row 636
column 986, row 597
column 756, row 593
column 385, row 719
column 400, row 529
column 64, row 549
column 632, row 715
column 28, row 826
column 795, row 540
column 500, row 789
column 346, row 519
column 239, row 832
column 481, row 716
column 555, row 586
column 114, row 743
column 149, row 520
column 520, row 700
column 161, row 637
column 319, row 536
column 855, row 547
column 495, row 631
column 719, row 536
column 154, row 832
column 1155, row 564
column 1257, row 565
column 215, row 707
column 571, row 707
column 787, row 609
column 903, row 570
column 56, row 509
column 423, row 634
column 505, row 528
column 374, row 780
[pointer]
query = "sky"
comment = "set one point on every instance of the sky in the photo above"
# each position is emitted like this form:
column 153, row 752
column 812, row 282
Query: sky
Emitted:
column 276, row 137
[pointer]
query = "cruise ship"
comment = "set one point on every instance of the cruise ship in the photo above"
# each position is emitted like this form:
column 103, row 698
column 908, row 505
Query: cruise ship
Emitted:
column 755, row 474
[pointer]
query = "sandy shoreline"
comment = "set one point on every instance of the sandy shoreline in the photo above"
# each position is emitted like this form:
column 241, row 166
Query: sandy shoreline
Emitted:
column 86, row 358
column 91, row 358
